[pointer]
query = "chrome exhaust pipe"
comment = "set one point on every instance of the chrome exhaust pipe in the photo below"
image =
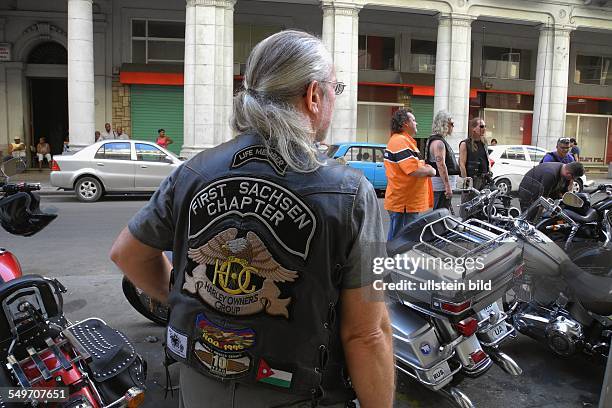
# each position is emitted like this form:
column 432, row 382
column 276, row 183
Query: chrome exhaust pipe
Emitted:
column 457, row 397
column 505, row 362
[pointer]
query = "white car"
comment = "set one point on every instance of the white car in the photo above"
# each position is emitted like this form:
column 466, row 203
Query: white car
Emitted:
column 112, row 166
column 509, row 163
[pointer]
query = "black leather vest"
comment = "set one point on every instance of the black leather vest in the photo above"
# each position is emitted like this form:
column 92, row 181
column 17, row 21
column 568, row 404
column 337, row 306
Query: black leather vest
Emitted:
column 451, row 162
column 259, row 253
column 477, row 163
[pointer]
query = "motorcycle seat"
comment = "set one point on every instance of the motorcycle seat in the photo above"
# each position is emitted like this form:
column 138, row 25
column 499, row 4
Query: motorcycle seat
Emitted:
column 590, row 216
column 410, row 234
column 594, row 292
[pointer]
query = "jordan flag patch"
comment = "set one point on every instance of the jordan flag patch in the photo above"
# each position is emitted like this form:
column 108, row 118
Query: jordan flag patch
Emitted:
column 273, row 376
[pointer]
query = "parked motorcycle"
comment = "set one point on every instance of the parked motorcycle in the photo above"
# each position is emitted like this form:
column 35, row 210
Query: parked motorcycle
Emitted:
column 46, row 359
column 448, row 322
column 556, row 301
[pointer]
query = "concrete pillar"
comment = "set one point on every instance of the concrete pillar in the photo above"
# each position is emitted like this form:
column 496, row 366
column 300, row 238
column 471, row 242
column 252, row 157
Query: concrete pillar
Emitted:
column 15, row 100
column 81, row 96
column 453, row 68
column 100, row 76
column 550, row 98
column 341, row 37
column 209, row 80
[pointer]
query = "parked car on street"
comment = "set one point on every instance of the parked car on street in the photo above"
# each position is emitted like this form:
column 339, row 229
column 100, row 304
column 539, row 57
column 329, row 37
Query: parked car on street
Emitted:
column 509, row 163
column 367, row 157
column 113, row 166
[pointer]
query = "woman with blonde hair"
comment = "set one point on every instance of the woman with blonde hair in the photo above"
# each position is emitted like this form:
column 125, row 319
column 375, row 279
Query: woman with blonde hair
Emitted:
column 442, row 158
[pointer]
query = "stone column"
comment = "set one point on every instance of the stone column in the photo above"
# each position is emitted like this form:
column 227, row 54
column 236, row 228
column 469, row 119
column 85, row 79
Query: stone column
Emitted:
column 341, row 37
column 209, row 80
column 550, row 98
column 453, row 68
column 81, row 97
column 15, row 100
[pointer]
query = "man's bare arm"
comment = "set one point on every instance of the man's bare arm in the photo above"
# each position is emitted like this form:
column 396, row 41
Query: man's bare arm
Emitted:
column 463, row 159
column 439, row 151
column 146, row 267
column 365, row 330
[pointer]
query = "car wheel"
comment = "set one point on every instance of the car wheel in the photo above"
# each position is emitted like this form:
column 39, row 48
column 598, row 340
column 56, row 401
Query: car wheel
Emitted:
column 88, row 189
column 577, row 187
column 504, row 186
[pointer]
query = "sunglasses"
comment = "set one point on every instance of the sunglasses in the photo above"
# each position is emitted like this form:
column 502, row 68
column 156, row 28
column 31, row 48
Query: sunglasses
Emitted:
column 563, row 140
column 338, row 86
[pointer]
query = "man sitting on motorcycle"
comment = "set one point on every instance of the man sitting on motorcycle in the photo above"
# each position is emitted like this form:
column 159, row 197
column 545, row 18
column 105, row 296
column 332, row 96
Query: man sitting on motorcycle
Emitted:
column 549, row 180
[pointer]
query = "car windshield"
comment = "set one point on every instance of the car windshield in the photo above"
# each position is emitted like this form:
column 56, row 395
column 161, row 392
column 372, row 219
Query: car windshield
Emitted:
column 332, row 150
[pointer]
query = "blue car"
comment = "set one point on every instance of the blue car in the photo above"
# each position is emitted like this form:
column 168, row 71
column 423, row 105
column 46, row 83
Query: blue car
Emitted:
column 367, row 157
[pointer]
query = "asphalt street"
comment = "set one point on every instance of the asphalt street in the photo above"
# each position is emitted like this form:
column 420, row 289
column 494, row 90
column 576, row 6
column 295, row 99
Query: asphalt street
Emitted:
column 75, row 247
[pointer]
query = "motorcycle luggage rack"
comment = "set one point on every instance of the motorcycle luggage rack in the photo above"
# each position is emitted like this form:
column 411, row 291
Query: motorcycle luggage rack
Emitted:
column 461, row 237
column 14, row 365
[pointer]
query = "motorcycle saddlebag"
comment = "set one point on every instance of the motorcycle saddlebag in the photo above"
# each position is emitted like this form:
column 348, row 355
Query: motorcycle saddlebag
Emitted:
column 115, row 366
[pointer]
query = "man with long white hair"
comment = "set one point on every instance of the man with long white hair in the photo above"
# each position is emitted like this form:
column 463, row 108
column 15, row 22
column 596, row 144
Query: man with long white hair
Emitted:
column 269, row 303
column 441, row 157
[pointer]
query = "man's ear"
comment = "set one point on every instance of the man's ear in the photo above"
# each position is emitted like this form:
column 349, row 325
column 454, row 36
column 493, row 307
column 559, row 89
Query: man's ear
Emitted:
column 312, row 99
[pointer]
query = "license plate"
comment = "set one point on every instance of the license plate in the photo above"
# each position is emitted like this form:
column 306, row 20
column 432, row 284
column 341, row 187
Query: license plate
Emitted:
column 439, row 373
column 495, row 332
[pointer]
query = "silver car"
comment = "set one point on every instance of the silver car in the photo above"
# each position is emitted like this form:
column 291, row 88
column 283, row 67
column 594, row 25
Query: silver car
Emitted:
column 113, row 166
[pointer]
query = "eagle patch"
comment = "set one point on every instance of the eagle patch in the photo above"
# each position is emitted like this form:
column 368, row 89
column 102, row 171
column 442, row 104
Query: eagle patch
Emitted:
column 238, row 275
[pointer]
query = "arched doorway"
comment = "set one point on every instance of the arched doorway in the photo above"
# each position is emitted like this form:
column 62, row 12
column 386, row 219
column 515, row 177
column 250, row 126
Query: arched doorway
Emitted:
column 48, row 86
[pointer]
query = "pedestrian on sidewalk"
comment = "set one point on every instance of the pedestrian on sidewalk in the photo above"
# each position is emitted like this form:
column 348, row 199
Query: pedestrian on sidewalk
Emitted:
column 108, row 133
column 18, row 148
column 43, row 151
column 162, row 139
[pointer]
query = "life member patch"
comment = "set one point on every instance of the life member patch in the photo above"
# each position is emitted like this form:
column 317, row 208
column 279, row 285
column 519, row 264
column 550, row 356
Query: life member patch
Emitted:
column 260, row 153
column 176, row 342
column 222, row 350
column 238, row 276
column 285, row 215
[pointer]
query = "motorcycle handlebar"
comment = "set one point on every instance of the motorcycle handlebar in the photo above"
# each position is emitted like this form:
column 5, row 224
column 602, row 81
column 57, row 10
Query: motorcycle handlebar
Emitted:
column 20, row 187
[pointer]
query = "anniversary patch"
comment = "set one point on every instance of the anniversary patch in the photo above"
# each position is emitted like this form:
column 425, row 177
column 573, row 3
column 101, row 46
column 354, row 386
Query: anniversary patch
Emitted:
column 238, row 275
column 285, row 215
column 222, row 350
column 260, row 153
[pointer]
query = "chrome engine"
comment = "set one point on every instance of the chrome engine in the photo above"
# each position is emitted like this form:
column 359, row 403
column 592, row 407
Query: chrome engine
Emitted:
column 564, row 335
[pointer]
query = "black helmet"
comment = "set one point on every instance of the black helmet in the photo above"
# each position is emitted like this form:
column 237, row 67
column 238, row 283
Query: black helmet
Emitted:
column 20, row 214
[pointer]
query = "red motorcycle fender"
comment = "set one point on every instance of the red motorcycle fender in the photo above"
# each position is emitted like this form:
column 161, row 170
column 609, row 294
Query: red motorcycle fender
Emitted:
column 9, row 266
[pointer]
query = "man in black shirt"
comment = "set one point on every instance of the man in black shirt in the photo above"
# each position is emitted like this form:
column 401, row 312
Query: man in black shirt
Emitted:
column 549, row 180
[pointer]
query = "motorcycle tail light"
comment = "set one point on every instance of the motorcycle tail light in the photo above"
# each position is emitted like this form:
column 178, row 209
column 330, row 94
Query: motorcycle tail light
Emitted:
column 467, row 327
column 134, row 397
column 519, row 270
column 450, row 307
column 478, row 356
column 55, row 166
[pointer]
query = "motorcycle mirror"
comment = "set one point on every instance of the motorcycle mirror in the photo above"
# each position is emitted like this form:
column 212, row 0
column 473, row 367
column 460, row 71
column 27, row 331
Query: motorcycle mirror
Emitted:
column 572, row 200
column 12, row 166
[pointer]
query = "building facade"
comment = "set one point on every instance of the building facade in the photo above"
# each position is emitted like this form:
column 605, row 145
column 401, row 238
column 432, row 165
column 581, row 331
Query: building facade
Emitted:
column 534, row 70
